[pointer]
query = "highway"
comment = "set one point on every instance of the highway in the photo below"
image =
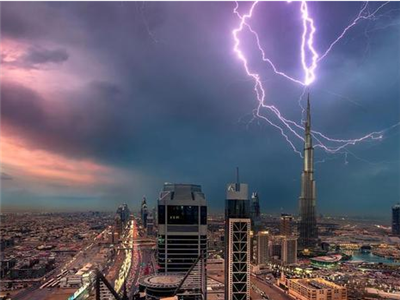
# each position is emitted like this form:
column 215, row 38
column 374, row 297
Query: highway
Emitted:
column 141, row 266
column 272, row 292
column 79, row 260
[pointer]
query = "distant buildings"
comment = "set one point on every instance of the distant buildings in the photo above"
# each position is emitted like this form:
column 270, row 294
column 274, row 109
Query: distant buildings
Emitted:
column 117, row 233
column 124, row 213
column 313, row 289
column 150, row 224
column 286, row 224
column 144, row 212
column 396, row 219
column 121, row 219
column 237, row 242
column 308, row 232
column 283, row 249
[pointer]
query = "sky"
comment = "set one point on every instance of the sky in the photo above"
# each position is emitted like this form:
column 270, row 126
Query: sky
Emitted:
column 101, row 103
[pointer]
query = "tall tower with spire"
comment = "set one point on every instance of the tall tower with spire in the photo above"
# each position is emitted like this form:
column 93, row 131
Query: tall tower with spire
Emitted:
column 308, row 222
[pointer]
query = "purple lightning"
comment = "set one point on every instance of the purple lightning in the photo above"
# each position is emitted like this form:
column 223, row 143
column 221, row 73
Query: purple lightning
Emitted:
column 307, row 48
column 308, row 30
column 360, row 16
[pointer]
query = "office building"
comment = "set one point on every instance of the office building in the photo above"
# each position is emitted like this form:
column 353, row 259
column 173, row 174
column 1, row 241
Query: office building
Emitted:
column 182, row 231
column 150, row 224
column 118, row 225
column 144, row 212
column 396, row 219
column 237, row 242
column 275, row 247
column 124, row 213
column 308, row 233
column 262, row 248
column 289, row 250
column 286, row 225
column 255, row 213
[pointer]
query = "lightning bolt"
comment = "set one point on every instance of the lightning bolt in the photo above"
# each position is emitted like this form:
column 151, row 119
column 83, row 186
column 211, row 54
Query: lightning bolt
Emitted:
column 309, row 60
column 361, row 16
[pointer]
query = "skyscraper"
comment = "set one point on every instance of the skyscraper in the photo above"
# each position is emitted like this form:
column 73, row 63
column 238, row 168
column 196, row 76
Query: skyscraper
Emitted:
column 124, row 213
column 285, row 227
column 150, row 224
column 144, row 212
column 275, row 248
column 182, row 227
column 262, row 247
column 237, row 242
column 255, row 212
column 289, row 250
column 396, row 219
column 308, row 233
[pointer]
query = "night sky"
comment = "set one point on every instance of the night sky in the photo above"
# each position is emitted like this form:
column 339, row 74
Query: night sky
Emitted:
column 101, row 103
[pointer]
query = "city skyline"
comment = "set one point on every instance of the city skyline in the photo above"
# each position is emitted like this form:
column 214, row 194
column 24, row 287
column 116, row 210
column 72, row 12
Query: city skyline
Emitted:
column 105, row 112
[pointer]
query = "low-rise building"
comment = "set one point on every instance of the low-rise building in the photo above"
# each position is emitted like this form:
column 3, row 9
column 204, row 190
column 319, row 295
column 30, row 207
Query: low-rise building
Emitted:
column 314, row 289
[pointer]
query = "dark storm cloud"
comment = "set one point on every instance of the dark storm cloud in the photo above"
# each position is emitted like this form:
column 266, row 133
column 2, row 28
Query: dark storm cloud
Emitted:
column 78, row 129
column 38, row 56
column 173, row 93
column 5, row 176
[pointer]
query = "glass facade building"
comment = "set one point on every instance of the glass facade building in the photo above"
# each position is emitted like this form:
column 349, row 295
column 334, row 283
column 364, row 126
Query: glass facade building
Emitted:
column 182, row 227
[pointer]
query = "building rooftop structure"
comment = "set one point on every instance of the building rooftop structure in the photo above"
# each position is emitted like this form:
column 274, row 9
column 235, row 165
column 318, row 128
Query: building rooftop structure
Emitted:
column 161, row 280
column 314, row 289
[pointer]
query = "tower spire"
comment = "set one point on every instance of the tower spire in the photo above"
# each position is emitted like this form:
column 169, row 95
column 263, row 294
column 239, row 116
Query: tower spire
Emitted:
column 307, row 137
column 237, row 179
column 308, row 231
column 308, row 121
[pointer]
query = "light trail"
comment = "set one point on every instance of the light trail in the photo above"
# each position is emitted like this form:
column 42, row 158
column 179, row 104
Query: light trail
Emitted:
column 286, row 126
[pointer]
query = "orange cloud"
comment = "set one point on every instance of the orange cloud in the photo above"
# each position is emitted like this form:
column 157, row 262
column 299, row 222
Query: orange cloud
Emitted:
column 38, row 165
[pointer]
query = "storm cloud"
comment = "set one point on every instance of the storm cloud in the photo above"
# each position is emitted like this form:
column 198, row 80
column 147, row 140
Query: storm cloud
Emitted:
column 155, row 91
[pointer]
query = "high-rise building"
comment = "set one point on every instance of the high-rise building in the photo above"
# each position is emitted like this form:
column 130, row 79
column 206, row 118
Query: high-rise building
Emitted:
column 396, row 219
column 262, row 247
column 285, row 227
column 289, row 250
column 150, row 224
column 120, row 220
column 124, row 213
column 144, row 212
column 118, row 228
column 308, row 232
column 182, row 227
column 275, row 247
column 237, row 242
column 255, row 212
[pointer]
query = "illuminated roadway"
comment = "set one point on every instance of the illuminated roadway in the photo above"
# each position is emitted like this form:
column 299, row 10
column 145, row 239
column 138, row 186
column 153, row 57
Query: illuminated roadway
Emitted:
column 142, row 256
